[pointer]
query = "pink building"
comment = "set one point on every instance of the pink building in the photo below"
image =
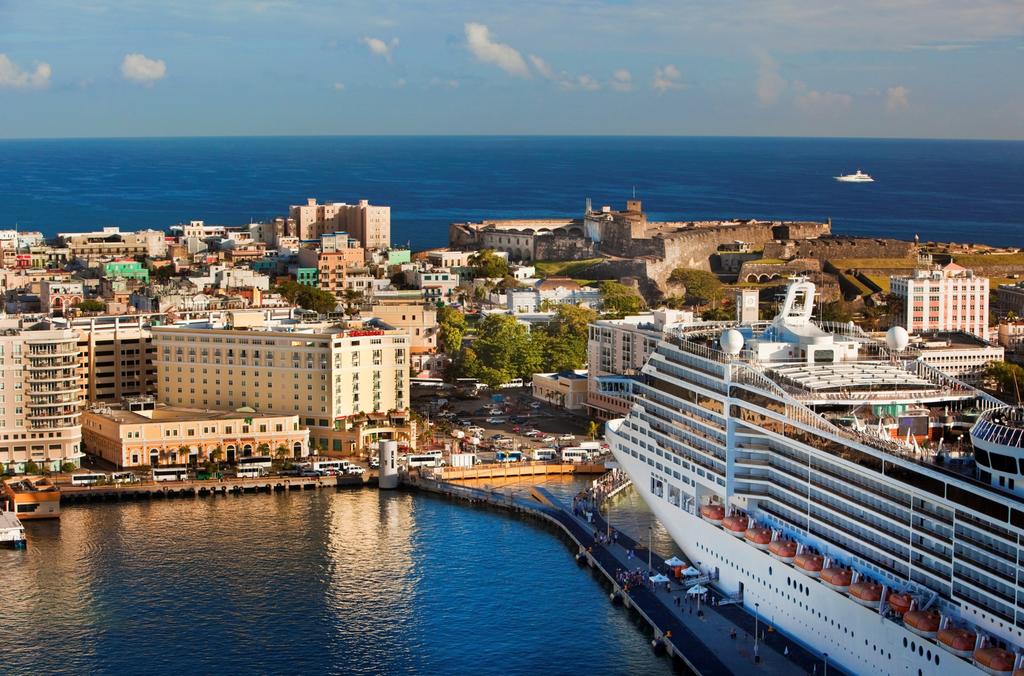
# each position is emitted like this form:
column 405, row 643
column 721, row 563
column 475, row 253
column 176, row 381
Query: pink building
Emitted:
column 946, row 299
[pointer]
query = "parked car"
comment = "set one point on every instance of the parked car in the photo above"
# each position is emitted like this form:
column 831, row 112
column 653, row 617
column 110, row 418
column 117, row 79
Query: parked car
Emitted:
column 547, row 439
column 495, row 421
column 566, row 437
column 374, row 462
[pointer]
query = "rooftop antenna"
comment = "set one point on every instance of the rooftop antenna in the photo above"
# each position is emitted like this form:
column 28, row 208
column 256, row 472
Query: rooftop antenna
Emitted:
column 634, row 192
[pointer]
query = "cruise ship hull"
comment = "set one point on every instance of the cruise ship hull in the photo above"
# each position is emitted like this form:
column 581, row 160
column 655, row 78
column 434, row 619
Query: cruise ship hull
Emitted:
column 855, row 637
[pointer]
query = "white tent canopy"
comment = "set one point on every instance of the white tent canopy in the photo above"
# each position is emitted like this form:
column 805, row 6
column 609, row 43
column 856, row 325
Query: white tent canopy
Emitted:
column 696, row 590
column 674, row 561
column 691, row 572
column 659, row 578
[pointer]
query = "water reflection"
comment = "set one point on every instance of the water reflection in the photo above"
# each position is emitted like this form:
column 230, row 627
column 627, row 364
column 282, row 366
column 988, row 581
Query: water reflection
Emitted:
column 348, row 581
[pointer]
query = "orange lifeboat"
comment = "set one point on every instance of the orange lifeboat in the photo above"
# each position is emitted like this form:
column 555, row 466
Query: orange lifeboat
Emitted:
column 809, row 563
column 735, row 525
column 783, row 550
column 712, row 513
column 957, row 640
column 923, row 622
column 866, row 593
column 759, row 537
column 837, row 578
column 995, row 661
column 899, row 603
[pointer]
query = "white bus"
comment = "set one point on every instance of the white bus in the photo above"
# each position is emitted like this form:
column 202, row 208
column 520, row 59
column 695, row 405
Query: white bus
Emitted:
column 264, row 461
column 575, row 454
column 87, row 478
column 123, row 478
column 250, row 472
column 328, row 466
column 426, row 460
column 544, row 454
column 170, row 474
column 509, row 456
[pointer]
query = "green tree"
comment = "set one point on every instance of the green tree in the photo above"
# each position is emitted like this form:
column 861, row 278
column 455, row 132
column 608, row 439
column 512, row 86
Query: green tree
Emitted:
column 31, row 468
column 701, row 285
column 504, row 345
column 353, row 300
column 451, row 327
column 308, row 297
column 717, row 314
column 263, row 449
column 836, row 311
column 1005, row 378
column 90, row 305
column 563, row 342
column 486, row 263
column 619, row 299
column 216, row 454
column 68, row 467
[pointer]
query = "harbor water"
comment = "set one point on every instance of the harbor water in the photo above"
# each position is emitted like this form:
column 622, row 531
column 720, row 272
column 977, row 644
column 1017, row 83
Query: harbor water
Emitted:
column 356, row 581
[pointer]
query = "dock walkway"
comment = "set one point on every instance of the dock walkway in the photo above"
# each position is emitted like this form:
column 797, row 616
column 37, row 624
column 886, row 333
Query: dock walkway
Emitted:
column 702, row 644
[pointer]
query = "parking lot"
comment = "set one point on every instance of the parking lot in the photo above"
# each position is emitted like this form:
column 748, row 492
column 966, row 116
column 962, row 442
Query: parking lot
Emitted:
column 519, row 414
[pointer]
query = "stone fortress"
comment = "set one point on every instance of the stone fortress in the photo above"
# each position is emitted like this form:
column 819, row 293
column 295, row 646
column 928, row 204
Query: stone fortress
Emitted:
column 629, row 245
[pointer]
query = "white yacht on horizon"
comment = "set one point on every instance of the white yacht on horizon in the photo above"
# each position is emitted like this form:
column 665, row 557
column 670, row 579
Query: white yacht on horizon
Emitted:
column 862, row 502
column 859, row 177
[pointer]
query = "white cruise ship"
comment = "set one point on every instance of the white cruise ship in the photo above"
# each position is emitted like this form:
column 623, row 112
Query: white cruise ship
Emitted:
column 859, row 177
column 830, row 481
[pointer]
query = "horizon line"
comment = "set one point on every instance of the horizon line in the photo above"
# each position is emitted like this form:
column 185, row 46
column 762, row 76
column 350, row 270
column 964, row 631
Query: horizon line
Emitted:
column 169, row 137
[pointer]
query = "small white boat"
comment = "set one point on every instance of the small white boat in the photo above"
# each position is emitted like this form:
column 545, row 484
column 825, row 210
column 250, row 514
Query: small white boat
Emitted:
column 12, row 533
column 859, row 177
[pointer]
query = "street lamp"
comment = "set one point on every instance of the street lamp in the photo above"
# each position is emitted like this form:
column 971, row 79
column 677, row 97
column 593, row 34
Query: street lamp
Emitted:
column 826, row 663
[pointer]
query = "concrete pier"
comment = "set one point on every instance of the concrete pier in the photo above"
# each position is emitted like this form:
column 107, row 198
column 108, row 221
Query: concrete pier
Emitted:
column 196, row 488
column 502, row 470
column 701, row 643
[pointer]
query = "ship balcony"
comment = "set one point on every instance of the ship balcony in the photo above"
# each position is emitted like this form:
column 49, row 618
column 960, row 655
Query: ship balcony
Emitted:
column 964, row 559
column 963, row 536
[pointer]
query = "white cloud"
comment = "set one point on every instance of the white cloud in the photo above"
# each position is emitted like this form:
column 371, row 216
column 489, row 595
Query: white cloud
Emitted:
column 142, row 70
column 587, row 83
column 770, row 84
column 486, row 50
column 542, row 67
column 338, row 86
column 897, row 98
column 622, row 80
column 666, row 78
column 400, row 82
column 380, row 47
column 12, row 76
column 811, row 100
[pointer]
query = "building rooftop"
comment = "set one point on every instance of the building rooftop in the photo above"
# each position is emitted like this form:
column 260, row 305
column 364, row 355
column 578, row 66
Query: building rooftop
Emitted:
column 167, row 414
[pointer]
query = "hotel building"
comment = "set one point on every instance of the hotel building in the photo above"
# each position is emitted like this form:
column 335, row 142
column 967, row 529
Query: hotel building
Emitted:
column 40, row 396
column 173, row 435
column 328, row 375
column 950, row 299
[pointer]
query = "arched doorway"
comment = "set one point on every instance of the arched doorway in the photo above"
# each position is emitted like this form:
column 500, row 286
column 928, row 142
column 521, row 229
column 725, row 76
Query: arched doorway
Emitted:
column 231, row 454
column 297, row 449
column 247, row 451
column 154, row 456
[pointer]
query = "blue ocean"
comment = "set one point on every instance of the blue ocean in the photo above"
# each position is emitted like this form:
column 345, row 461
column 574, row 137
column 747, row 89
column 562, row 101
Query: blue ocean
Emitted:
column 940, row 190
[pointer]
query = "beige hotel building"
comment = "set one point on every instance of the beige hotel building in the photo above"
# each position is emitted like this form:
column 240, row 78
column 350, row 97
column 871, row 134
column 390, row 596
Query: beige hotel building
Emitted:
column 40, row 397
column 329, row 375
column 169, row 435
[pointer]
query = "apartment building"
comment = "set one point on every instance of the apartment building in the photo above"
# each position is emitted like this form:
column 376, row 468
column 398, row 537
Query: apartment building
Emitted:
column 59, row 295
column 112, row 243
column 616, row 351
column 174, row 435
column 40, row 398
column 370, row 225
column 115, row 357
column 959, row 354
column 324, row 373
column 948, row 299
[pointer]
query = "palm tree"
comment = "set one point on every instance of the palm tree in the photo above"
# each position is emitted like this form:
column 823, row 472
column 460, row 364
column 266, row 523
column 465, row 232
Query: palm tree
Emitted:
column 216, row 454
column 263, row 449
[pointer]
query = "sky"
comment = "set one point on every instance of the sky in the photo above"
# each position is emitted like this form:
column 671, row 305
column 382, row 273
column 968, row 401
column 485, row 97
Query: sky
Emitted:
column 877, row 68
